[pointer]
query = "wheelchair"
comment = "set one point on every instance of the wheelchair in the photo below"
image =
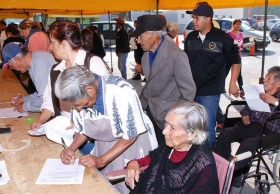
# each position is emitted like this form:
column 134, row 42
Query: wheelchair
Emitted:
column 270, row 147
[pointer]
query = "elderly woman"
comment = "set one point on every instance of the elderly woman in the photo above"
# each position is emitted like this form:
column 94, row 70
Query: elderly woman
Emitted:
column 109, row 111
column 184, row 163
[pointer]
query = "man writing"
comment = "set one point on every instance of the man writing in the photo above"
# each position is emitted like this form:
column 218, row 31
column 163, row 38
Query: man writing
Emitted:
column 39, row 64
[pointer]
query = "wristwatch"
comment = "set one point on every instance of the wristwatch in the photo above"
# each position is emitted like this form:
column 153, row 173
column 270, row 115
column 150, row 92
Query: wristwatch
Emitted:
column 276, row 103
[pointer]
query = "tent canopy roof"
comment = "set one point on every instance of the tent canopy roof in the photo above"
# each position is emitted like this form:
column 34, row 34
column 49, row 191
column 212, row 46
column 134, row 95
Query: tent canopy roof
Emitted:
column 91, row 7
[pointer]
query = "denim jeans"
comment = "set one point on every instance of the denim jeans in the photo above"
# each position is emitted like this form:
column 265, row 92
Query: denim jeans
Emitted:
column 122, row 64
column 211, row 104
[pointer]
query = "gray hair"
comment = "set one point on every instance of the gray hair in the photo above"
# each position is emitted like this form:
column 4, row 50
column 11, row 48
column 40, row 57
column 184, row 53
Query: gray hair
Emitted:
column 159, row 33
column 276, row 71
column 22, row 53
column 194, row 120
column 72, row 82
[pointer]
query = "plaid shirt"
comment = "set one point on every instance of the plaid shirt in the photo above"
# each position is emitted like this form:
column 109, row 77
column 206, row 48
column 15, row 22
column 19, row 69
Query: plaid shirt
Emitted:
column 256, row 116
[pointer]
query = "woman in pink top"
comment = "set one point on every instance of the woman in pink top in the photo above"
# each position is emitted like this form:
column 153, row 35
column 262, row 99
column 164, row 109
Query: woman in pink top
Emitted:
column 237, row 36
column 36, row 40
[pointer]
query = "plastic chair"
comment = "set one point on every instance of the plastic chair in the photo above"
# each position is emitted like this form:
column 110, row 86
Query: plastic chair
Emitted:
column 225, row 170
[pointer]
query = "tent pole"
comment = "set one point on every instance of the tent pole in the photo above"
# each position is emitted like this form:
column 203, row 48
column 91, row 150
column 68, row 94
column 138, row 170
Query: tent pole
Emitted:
column 264, row 41
column 82, row 19
column 110, row 46
column 157, row 6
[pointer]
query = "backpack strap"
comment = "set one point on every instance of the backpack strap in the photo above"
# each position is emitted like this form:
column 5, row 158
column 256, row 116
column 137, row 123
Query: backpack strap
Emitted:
column 87, row 62
column 54, row 75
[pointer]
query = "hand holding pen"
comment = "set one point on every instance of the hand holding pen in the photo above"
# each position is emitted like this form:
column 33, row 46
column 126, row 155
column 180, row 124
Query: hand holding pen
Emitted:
column 18, row 99
column 67, row 155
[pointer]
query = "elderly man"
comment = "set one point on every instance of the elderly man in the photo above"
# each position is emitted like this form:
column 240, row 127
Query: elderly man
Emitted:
column 208, row 49
column 166, row 68
column 109, row 111
column 122, row 46
column 38, row 63
column 172, row 29
column 249, row 132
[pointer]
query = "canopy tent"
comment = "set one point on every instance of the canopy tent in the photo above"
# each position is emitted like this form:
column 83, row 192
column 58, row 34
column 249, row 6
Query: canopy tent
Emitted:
column 90, row 7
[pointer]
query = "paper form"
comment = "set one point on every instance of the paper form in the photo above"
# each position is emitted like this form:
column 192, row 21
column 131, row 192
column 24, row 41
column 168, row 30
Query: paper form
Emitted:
column 253, row 99
column 10, row 113
column 3, row 171
column 54, row 172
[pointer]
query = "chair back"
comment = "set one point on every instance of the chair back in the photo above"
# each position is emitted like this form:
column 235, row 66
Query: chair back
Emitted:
column 223, row 175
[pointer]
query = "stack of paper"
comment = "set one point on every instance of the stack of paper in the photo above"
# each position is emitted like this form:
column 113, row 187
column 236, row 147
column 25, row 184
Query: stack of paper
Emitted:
column 4, row 173
column 252, row 96
column 10, row 113
column 56, row 173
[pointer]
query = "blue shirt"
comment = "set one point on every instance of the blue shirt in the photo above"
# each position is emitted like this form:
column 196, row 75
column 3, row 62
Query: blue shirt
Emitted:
column 152, row 55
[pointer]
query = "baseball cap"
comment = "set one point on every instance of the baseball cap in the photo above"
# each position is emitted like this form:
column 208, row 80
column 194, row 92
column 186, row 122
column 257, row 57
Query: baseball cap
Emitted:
column 202, row 9
column 119, row 20
column 9, row 51
column 148, row 23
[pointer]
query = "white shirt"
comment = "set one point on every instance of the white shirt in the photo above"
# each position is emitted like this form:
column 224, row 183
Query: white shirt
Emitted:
column 96, row 66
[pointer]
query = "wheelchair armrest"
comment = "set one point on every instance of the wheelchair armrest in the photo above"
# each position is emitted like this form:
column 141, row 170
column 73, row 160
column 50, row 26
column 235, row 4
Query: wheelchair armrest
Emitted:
column 273, row 117
column 238, row 102
column 242, row 156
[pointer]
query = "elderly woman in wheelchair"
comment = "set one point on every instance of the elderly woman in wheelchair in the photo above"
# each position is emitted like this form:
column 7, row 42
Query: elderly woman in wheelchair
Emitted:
column 184, row 163
column 249, row 132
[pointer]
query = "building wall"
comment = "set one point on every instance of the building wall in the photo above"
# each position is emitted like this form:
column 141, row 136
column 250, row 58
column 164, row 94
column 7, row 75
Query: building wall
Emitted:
column 180, row 16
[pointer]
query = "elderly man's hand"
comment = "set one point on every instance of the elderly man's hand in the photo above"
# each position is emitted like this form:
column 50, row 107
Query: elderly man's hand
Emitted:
column 67, row 157
column 19, row 108
column 92, row 161
column 138, row 68
column 246, row 120
column 233, row 90
column 268, row 98
column 132, row 174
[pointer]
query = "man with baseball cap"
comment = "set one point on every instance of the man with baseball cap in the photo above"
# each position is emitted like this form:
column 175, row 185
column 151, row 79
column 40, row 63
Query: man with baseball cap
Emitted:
column 208, row 49
column 38, row 64
column 122, row 46
column 166, row 68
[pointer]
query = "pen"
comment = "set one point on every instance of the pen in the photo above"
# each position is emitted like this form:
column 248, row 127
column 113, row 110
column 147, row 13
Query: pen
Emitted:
column 65, row 147
column 15, row 98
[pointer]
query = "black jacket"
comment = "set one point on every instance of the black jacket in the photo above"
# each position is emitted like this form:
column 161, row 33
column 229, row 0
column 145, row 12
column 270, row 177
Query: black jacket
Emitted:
column 208, row 60
column 122, row 41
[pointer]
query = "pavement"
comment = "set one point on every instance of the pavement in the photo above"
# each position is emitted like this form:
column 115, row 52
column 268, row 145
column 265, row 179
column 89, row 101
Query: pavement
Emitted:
column 251, row 71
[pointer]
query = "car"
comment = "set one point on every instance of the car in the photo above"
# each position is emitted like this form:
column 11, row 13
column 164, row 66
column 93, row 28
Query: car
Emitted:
column 260, row 19
column 109, row 29
column 246, row 23
column 226, row 23
column 252, row 21
column 275, row 32
column 271, row 22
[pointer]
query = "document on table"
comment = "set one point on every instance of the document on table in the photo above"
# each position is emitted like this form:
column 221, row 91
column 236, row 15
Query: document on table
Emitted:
column 4, row 173
column 252, row 98
column 10, row 113
column 54, row 172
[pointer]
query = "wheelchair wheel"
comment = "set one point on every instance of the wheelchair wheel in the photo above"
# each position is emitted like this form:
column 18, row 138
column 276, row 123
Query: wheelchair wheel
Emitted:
column 276, row 170
column 262, row 187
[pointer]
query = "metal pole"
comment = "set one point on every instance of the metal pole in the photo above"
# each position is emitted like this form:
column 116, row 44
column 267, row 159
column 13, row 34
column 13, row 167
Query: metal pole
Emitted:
column 264, row 41
column 157, row 6
column 110, row 46
column 82, row 19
